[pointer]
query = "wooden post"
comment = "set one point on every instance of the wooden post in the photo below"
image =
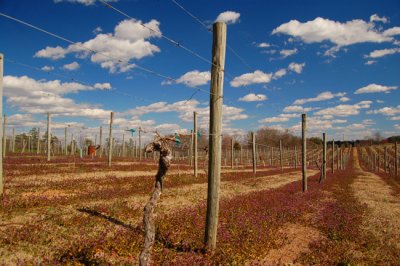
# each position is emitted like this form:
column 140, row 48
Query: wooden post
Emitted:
column 280, row 154
column 1, row 131
column 396, row 160
column 110, row 140
column 337, row 157
column 123, row 145
column 215, row 139
column 195, row 142
column 13, row 140
column 48, row 136
column 385, row 159
column 304, row 150
column 101, row 142
column 272, row 156
column 65, row 141
column 295, row 157
column 324, row 156
column 232, row 154
column 38, row 141
column 254, row 156
column 333, row 156
column 72, row 145
column 140, row 143
column 4, row 135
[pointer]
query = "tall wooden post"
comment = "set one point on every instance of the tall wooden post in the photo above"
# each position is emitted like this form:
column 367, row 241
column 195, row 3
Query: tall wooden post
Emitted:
column 48, row 136
column 304, row 150
column 38, row 141
column 110, row 139
column 101, row 142
column 333, row 156
column 215, row 139
column 254, row 156
column 324, row 156
column 13, row 140
column 280, row 154
column 272, row 156
column 337, row 157
column 72, row 145
column 295, row 157
column 232, row 153
column 385, row 159
column 195, row 142
column 396, row 160
column 123, row 145
column 1, row 113
column 4, row 135
column 65, row 141
column 140, row 143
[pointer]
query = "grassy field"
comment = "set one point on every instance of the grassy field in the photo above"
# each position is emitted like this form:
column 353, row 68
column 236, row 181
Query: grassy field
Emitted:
column 75, row 211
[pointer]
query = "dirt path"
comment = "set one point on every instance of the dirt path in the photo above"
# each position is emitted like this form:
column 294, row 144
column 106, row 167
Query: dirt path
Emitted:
column 383, row 222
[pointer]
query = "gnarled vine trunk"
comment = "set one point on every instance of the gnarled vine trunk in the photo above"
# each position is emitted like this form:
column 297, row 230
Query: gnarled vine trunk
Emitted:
column 159, row 144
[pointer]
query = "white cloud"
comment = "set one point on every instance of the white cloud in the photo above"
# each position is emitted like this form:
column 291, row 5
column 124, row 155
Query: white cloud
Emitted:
column 279, row 118
column 323, row 96
column 375, row 17
column 253, row 98
column 344, row 99
column 72, row 66
column 47, row 68
column 344, row 110
column 97, row 30
column 229, row 17
column 263, row 45
column 257, row 77
column 296, row 67
column 388, row 111
column 41, row 96
column 288, row 52
column 297, row 109
column 383, row 52
column 113, row 51
column 53, row 53
column 379, row 101
column 392, row 31
column 372, row 88
column 280, row 73
column 192, row 78
column 338, row 33
column 395, row 118
column 370, row 62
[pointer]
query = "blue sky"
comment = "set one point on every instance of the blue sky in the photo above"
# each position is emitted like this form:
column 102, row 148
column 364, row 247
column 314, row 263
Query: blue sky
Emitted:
column 338, row 61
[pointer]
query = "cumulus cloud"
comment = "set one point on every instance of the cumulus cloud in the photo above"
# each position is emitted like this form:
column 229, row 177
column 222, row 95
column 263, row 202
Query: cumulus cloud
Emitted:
column 375, row 17
column 47, row 68
column 279, row 118
column 372, row 88
column 185, row 111
column 280, row 73
column 338, row 33
column 388, row 111
column 113, row 51
column 72, row 66
column 229, row 17
column 344, row 110
column 296, row 67
column 253, row 98
column 263, row 45
column 344, row 99
column 288, row 52
column 192, row 78
column 382, row 52
column 297, row 109
column 323, row 96
column 392, row 31
column 41, row 96
column 257, row 77
column 370, row 62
